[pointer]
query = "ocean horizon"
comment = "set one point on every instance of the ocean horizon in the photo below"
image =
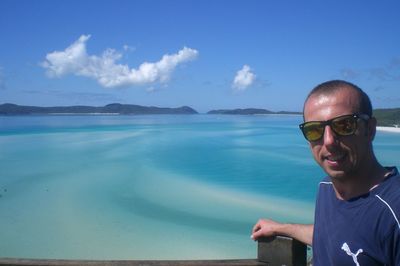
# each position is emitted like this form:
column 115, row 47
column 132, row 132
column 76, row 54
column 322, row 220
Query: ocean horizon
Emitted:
column 153, row 186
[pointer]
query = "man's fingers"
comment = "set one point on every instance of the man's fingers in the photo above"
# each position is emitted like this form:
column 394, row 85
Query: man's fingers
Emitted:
column 256, row 227
column 255, row 235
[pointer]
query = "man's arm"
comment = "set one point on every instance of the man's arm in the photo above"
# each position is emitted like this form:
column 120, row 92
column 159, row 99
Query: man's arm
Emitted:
column 266, row 228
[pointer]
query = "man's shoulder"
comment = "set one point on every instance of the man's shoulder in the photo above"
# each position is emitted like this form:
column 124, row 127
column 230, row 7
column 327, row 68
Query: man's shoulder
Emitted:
column 390, row 188
column 327, row 180
column 325, row 186
column 388, row 197
column 325, row 190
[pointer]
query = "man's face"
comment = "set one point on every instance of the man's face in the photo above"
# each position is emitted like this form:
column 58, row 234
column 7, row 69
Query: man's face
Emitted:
column 341, row 157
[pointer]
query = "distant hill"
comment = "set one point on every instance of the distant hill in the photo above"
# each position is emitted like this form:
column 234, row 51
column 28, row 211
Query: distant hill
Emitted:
column 248, row 111
column 388, row 117
column 115, row 108
column 385, row 117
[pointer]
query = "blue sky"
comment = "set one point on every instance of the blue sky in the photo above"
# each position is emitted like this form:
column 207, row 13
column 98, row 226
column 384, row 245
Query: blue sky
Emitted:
column 204, row 54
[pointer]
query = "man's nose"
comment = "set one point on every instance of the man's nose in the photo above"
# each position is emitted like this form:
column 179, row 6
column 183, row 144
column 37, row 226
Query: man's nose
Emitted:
column 330, row 137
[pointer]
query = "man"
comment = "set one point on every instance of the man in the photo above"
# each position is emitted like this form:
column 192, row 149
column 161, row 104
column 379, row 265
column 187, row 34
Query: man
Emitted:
column 358, row 204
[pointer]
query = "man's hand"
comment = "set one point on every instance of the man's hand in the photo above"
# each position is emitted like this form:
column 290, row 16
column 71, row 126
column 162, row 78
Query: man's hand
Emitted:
column 267, row 228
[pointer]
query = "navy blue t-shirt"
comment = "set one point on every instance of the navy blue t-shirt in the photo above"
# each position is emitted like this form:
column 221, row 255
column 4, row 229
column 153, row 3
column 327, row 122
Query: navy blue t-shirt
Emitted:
column 363, row 231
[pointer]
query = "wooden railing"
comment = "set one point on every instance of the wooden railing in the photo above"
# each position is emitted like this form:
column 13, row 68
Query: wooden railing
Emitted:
column 271, row 252
column 282, row 251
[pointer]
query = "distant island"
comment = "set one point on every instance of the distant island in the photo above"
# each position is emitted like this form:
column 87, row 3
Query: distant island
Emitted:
column 250, row 111
column 114, row 108
column 388, row 117
column 385, row 117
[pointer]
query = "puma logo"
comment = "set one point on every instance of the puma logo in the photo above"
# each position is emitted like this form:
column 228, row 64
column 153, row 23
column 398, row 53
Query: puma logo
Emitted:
column 346, row 248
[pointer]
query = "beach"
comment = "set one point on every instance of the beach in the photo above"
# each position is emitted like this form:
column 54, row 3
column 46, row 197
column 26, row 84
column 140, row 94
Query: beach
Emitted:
column 389, row 129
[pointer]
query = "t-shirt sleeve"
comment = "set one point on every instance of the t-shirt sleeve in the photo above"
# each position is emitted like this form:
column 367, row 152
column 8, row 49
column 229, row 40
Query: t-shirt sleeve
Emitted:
column 396, row 248
column 392, row 247
column 392, row 232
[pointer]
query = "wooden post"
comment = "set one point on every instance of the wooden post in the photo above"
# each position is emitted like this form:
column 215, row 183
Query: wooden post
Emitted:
column 278, row 251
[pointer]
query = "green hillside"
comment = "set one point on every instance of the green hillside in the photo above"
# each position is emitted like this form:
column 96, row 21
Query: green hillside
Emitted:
column 388, row 117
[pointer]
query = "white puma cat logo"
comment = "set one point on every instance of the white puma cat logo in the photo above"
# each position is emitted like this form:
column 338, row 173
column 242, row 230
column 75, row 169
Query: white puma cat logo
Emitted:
column 346, row 248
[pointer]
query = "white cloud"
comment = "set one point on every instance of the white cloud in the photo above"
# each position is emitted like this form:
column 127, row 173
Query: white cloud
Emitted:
column 383, row 73
column 243, row 79
column 151, row 89
column 75, row 60
column 128, row 48
column 349, row 73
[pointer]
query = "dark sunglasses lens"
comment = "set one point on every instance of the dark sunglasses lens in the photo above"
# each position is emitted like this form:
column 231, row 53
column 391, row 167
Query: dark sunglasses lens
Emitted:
column 313, row 130
column 344, row 126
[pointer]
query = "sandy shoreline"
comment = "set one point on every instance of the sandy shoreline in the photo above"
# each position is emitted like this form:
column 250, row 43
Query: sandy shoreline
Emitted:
column 389, row 129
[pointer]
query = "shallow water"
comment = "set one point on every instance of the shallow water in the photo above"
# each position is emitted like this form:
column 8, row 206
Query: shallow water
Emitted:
column 153, row 187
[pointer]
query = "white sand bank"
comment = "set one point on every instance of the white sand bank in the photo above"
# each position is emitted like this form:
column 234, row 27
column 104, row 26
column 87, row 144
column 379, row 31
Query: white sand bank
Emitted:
column 389, row 129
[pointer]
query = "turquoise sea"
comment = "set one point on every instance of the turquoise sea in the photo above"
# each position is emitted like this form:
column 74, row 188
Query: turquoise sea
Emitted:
column 153, row 187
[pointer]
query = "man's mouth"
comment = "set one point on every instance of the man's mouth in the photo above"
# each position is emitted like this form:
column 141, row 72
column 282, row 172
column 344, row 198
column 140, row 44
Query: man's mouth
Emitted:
column 335, row 158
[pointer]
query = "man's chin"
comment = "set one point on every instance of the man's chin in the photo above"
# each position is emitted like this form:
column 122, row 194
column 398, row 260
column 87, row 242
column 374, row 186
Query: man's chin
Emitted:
column 338, row 174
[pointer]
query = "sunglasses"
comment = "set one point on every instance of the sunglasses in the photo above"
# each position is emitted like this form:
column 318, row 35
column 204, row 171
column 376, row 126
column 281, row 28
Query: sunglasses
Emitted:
column 345, row 125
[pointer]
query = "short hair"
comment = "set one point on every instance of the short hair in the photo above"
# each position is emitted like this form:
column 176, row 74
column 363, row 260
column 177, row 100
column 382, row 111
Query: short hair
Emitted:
column 332, row 86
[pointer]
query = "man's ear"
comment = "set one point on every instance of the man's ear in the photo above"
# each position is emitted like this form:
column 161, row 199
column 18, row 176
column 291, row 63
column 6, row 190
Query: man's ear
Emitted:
column 371, row 128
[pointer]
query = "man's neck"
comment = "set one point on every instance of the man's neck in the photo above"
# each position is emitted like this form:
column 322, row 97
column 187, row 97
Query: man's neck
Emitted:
column 359, row 183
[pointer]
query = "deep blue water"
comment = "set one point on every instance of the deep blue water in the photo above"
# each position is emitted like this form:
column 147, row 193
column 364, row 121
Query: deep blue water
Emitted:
column 122, row 187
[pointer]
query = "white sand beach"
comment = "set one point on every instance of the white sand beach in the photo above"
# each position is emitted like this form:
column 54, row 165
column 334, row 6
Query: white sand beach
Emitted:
column 389, row 129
